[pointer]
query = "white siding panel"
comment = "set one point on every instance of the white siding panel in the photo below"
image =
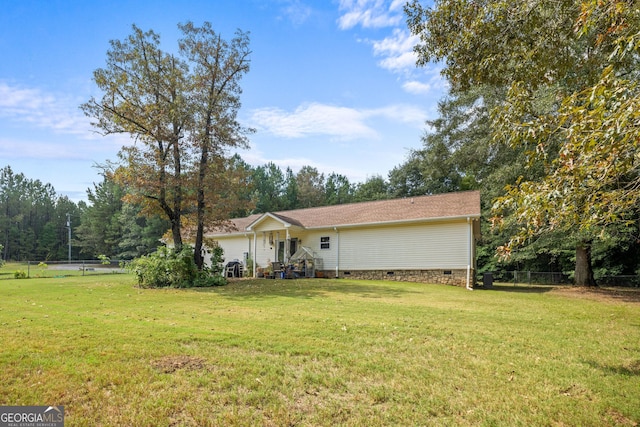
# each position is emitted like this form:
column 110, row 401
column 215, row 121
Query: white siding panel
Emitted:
column 235, row 247
column 424, row 246
column 265, row 254
column 434, row 245
column 270, row 224
column 312, row 240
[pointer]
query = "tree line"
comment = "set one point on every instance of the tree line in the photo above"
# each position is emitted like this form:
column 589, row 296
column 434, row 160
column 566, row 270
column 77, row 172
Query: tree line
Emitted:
column 35, row 219
column 35, row 222
column 33, row 216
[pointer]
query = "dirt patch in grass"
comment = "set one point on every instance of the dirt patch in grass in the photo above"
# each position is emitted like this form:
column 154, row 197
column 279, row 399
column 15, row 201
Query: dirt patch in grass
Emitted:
column 621, row 420
column 605, row 294
column 170, row 364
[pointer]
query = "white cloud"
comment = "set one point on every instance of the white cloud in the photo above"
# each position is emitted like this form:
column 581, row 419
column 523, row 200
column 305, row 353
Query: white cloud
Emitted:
column 406, row 114
column 398, row 43
column 57, row 113
column 57, row 128
column 314, row 119
column 416, row 87
column 370, row 13
column 397, row 51
column 296, row 11
column 15, row 148
column 342, row 123
column 434, row 83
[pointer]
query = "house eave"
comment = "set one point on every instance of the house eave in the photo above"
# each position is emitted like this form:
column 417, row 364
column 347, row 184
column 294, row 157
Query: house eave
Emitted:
column 266, row 215
column 251, row 228
column 395, row 222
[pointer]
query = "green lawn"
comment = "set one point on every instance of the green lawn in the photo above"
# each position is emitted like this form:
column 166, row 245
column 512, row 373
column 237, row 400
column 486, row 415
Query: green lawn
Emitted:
column 318, row 353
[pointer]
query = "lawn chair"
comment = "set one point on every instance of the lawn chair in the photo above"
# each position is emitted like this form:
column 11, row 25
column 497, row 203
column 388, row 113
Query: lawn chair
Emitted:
column 233, row 269
column 240, row 270
column 276, row 267
column 230, row 271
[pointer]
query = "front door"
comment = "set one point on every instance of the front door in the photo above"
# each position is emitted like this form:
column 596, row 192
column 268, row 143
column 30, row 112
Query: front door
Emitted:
column 280, row 253
column 293, row 247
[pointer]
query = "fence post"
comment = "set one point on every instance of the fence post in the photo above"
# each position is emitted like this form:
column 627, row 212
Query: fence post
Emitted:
column 83, row 267
column 28, row 269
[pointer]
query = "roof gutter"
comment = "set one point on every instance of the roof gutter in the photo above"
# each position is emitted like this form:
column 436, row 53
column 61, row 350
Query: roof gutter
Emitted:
column 396, row 222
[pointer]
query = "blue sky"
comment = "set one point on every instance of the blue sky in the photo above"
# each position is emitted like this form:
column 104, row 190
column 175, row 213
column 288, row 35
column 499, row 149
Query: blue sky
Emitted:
column 333, row 84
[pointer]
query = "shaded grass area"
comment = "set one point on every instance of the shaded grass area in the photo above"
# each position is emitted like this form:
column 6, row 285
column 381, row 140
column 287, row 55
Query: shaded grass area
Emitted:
column 317, row 352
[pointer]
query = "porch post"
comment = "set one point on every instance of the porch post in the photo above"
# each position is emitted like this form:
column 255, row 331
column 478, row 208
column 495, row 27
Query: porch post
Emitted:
column 287, row 247
column 255, row 256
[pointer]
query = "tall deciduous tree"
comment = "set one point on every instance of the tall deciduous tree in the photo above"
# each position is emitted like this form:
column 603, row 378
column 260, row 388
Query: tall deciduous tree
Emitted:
column 584, row 53
column 145, row 96
column 217, row 68
column 181, row 111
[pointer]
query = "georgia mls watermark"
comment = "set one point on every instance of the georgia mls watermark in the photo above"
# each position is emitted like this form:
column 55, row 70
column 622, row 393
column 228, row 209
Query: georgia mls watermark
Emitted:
column 31, row 416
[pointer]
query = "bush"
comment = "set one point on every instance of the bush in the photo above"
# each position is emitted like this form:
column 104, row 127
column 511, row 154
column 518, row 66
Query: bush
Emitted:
column 20, row 274
column 168, row 268
column 212, row 275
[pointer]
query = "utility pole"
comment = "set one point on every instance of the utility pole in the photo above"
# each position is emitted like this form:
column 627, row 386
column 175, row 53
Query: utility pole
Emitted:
column 69, row 228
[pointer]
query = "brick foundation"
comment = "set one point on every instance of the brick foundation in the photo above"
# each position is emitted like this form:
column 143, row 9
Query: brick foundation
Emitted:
column 454, row 277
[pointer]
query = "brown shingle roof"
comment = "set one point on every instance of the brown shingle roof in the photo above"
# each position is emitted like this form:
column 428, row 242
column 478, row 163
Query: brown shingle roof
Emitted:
column 459, row 204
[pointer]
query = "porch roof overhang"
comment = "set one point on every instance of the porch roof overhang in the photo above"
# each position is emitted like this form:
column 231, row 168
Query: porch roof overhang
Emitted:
column 286, row 222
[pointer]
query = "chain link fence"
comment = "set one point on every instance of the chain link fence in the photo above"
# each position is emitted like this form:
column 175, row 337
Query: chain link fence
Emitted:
column 558, row 278
column 31, row 269
column 627, row 281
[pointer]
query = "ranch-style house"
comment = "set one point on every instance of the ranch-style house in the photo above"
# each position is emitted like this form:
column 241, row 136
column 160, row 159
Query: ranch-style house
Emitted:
column 427, row 239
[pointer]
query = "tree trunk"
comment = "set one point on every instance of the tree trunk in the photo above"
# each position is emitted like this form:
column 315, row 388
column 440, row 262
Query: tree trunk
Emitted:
column 197, row 254
column 176, row 232
column 584, row 271
column 201, row 205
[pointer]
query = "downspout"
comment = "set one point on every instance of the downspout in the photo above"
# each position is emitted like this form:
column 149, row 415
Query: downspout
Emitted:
column 255, row 248
column 337, row 251
column 245, row 260
column 470, row 253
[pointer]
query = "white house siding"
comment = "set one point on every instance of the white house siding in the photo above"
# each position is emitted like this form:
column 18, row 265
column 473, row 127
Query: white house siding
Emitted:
column 235, row 246
column 433, row 245
column 265, row 251
column 270, row 224
column 431, row 240
column 311, row 240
